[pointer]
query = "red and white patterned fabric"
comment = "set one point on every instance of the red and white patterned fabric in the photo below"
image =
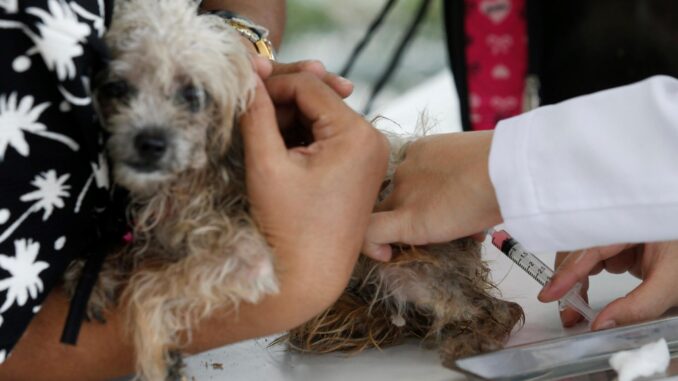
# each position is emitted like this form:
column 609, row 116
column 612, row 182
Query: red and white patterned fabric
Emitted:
column 496, row 59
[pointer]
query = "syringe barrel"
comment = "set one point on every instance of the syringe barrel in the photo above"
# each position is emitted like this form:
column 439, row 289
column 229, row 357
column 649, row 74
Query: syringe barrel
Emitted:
column 529, row 262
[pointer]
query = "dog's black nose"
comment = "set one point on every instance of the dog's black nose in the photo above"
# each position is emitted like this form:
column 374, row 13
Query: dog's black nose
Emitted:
column 150, row 145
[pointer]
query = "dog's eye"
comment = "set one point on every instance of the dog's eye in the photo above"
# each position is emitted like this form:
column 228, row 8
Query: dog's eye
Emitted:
column 194, row 97
column 115, row 89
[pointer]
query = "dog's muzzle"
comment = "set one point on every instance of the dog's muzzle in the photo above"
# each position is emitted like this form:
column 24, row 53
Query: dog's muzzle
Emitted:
column 151, row 145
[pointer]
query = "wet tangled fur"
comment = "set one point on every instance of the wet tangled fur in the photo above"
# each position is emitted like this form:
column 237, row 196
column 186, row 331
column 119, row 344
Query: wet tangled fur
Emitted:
column 196, row 249
column 440, row 294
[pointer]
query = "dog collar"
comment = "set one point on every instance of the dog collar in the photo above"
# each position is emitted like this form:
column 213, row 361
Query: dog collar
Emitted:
column 257, row 34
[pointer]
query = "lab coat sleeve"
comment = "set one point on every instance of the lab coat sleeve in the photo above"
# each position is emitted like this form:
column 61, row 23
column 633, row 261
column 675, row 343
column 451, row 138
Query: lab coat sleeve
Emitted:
column 594, row 170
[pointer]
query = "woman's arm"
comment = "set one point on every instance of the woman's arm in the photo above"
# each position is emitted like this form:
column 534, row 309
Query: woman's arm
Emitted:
column 314, row 205
column 595, row 170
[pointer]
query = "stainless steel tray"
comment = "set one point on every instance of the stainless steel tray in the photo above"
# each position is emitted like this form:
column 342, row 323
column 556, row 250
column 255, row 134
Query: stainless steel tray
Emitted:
column 578, row 357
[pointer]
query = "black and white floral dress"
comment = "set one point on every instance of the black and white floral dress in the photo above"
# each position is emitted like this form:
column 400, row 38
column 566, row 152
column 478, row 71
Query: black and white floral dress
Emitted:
column 53, row 174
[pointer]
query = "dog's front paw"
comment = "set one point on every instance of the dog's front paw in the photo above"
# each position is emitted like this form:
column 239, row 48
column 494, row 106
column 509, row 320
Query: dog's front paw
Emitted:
column 175, row 366
column 466, row 342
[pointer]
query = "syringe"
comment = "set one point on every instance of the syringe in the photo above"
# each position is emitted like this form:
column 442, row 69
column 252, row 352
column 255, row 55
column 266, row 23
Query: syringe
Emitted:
column 539, row 271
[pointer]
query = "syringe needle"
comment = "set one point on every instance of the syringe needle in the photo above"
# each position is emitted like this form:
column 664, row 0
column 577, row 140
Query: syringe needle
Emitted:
column 539, row 271
column 574, row 300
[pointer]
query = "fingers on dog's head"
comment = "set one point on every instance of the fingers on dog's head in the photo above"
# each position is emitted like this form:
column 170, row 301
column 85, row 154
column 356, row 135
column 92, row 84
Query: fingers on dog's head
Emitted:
column 313, row 98
column 339, row 85
column 262, row 66
column 310, row 66
column 259, row 126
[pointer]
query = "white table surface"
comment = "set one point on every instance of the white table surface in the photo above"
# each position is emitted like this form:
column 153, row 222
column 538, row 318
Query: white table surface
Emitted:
column 255, row 360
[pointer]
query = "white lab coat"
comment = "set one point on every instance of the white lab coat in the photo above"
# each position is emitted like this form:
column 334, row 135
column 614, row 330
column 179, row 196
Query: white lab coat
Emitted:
column 594, row 170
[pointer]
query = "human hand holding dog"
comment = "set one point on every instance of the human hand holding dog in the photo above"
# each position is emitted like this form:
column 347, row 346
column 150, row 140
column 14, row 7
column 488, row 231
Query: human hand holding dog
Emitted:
column 654, row 263
column 312, row 203
column 288, row 115
column 342, row 86
column 442, row 191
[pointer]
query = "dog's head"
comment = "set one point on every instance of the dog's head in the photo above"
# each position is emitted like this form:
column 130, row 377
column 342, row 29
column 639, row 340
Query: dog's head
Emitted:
column 169, row 98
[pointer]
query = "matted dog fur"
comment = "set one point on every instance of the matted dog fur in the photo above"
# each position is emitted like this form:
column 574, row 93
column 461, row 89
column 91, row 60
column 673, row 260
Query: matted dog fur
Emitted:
column 169, row 99
column 441, row 294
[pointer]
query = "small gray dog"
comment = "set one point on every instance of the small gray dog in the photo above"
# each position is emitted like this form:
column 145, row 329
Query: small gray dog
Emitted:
column 176, row 85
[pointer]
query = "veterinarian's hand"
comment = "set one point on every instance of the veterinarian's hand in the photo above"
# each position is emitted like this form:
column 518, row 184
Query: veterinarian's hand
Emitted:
column 655, row 263
column 313, row 202
column 442, row 191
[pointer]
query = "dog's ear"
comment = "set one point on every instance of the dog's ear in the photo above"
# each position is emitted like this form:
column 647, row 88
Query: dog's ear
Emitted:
column 232, row 87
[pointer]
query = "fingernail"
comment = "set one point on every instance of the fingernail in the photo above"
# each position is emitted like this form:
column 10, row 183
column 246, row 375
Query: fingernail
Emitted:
column 609, row 324
column 383, row 253
column 313, row 66
column 544, row 291
column 262, row 64
column 344, row 81
column 313, row 63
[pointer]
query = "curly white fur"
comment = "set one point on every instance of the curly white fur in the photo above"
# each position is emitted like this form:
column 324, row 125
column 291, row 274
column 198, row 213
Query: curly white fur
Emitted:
column 196, row 250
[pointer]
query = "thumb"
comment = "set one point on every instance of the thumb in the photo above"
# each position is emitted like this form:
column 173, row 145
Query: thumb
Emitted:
column 385, row 228
column 263, row 66
column 381, row 253
column 576, row 267
column 649, row 300
column 259, row 128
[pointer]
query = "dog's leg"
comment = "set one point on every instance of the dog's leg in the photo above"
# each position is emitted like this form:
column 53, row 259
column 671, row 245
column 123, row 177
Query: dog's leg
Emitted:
column 175, row 366
column 350, row 325
column 474, row 320
column 440, row 293
column 487, row 331
column 167, row 303
column 376, row 310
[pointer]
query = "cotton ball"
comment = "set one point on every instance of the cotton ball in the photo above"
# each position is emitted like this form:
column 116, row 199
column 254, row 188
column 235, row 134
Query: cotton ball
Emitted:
column 642, row 362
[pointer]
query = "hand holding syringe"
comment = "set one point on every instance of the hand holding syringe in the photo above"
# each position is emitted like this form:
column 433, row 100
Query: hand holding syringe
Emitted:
column 539, row 271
